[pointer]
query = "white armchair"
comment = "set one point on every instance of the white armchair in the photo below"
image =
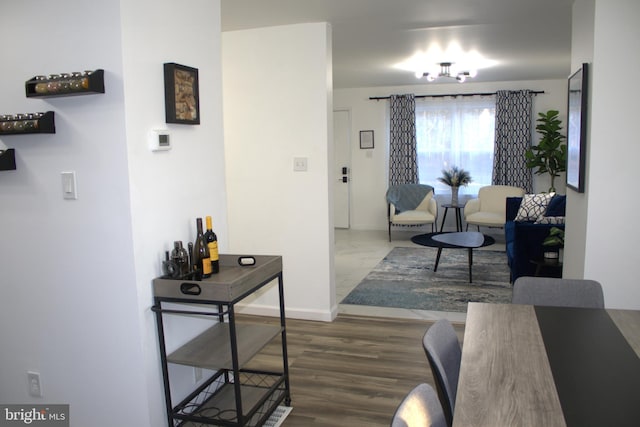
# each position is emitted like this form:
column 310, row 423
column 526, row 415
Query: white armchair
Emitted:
column 411, row 204
column 489, row 209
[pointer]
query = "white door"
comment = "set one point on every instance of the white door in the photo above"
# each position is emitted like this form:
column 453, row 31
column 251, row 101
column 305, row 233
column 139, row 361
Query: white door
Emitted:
column 342, row 167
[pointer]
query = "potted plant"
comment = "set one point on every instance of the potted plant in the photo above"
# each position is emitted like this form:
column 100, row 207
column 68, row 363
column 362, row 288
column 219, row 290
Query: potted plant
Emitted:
column 555, row 242
column 550, row 155
column 454, row 178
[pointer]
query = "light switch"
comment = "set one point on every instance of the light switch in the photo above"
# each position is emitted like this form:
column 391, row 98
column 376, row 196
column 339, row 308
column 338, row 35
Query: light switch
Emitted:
column 300, row 164
column 69, row 190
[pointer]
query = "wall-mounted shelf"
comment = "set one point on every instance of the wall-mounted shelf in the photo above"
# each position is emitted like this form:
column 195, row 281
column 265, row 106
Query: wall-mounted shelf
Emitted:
column 19, row 124
column 69, row 84
column 7, row 159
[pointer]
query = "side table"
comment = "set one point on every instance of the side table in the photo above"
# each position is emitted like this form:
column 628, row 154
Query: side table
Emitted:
column 552, row 265
column 458, row 214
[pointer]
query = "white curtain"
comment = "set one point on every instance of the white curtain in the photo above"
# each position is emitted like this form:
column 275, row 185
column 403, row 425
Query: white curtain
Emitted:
column 455, row 132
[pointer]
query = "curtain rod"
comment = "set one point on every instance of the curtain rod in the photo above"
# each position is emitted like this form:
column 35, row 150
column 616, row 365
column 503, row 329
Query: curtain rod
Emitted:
column 378, row 98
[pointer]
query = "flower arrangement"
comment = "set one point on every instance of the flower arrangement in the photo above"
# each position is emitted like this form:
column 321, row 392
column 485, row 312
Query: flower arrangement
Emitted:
column 454, row 178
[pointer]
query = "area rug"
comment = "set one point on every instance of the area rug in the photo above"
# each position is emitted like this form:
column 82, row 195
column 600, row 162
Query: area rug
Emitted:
column 405, row 279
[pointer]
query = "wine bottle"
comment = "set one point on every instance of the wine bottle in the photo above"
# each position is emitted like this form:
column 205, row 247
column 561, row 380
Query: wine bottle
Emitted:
column 180, row 256
column 200, row 258
column 212, row 243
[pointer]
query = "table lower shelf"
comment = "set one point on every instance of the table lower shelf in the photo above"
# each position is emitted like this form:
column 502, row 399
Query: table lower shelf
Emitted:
column 215, row 403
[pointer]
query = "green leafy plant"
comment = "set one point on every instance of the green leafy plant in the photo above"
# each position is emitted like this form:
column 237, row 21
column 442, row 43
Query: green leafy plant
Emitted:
column 455, row 177
column 550, row 155
column 555, row 238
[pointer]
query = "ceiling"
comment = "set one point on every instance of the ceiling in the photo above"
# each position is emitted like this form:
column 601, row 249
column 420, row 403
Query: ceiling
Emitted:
column 525, row 39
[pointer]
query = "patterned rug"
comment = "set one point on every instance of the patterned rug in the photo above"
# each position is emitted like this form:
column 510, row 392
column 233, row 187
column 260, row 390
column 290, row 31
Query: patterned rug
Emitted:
column 405, row 279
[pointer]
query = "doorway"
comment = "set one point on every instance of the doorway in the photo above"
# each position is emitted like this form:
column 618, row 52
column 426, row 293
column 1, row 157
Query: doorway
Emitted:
column 341, row 168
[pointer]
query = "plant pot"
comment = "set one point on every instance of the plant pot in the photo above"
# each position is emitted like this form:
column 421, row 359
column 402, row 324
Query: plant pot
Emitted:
column 551, row 255
column 454, row 195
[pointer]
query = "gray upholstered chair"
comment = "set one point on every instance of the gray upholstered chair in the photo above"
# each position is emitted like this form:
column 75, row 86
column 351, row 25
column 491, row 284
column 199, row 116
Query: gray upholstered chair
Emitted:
column 558, row 292
column 420, row 408
column 443, row 351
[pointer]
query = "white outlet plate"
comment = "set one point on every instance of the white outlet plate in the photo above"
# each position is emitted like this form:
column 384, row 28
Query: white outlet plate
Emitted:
column 300, row 164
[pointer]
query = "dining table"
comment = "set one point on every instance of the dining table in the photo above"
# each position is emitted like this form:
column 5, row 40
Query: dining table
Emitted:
column 525, row 365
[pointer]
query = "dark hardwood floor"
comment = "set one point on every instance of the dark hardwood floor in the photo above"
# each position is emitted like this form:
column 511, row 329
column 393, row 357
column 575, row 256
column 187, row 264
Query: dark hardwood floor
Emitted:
column 353, row 371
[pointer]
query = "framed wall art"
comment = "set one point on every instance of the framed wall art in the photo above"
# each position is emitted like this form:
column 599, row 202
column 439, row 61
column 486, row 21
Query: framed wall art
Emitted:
column 366, row 139
column 577, row 129
column 181, row 97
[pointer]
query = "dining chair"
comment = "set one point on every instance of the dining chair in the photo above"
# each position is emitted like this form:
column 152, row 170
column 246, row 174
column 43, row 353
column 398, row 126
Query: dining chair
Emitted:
column 558, row 292
column 420, row 408
column 443, row 352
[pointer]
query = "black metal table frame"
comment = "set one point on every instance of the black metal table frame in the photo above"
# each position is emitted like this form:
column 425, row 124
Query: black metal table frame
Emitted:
column 458, row 215
column 455, row 246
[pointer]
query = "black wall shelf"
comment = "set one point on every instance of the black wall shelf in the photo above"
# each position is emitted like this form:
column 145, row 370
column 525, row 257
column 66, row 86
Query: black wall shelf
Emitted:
column 7, row 159
column 56, row 85
column 20, row 124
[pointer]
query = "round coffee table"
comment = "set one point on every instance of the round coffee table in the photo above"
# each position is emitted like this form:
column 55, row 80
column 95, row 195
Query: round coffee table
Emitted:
column 459, row 240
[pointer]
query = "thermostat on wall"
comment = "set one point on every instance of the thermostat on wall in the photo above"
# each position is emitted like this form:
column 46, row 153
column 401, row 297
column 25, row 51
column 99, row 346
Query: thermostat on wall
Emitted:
column 159, row 140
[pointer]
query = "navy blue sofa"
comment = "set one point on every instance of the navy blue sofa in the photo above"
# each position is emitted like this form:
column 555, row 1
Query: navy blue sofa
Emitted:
column 524, row 239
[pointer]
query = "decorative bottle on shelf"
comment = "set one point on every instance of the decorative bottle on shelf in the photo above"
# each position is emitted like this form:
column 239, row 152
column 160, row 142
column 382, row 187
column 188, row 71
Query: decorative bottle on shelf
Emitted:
column 200, row 258
column 180, row 256
column 212, row 243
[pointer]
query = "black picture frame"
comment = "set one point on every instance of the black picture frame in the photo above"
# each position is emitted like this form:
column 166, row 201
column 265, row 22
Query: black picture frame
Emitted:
column 366, row 139
column 577, row 128
column 181, row 94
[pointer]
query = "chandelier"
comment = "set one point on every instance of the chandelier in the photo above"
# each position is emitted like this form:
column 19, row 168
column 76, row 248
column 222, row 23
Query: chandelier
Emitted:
column 445, row 71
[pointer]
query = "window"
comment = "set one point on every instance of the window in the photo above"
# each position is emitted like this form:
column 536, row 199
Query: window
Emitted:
column 455, row 132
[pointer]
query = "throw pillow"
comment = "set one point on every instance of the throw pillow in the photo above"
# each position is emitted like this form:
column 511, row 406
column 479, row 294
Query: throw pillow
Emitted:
column 533, row 206
column 556, row 220
column 557, row 206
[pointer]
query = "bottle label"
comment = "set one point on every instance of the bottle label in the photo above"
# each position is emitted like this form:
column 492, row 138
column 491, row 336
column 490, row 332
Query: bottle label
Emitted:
column 213, row 251
column 206, row 266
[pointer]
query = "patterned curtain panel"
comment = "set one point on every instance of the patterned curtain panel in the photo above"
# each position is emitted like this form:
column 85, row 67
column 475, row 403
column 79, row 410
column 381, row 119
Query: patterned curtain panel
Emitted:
column 513, row 138
column 403, row 161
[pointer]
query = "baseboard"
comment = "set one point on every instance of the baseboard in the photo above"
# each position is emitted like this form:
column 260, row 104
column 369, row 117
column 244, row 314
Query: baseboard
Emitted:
column 292, row 313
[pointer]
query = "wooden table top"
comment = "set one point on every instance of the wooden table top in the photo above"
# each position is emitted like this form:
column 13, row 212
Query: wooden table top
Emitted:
column 519, row 369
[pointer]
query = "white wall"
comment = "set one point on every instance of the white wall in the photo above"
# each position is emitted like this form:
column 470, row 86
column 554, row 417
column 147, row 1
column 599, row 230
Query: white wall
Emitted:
column 170, row 189
column 76, row 275
column 369, row 168
column 277, row 106
column 612, row 254
column 577, row 203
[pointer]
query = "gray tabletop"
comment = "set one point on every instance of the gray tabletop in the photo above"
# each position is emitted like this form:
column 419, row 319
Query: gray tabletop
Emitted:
column 463, row 239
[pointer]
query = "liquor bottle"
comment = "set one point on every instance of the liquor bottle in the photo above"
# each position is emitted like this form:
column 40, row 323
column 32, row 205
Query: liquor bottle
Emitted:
column 180, row 256
column 212, row 243
column 200, row 258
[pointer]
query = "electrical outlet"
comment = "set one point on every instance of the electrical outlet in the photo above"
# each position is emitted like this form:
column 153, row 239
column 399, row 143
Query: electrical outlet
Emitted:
column 35, row 387
column 197, row 374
